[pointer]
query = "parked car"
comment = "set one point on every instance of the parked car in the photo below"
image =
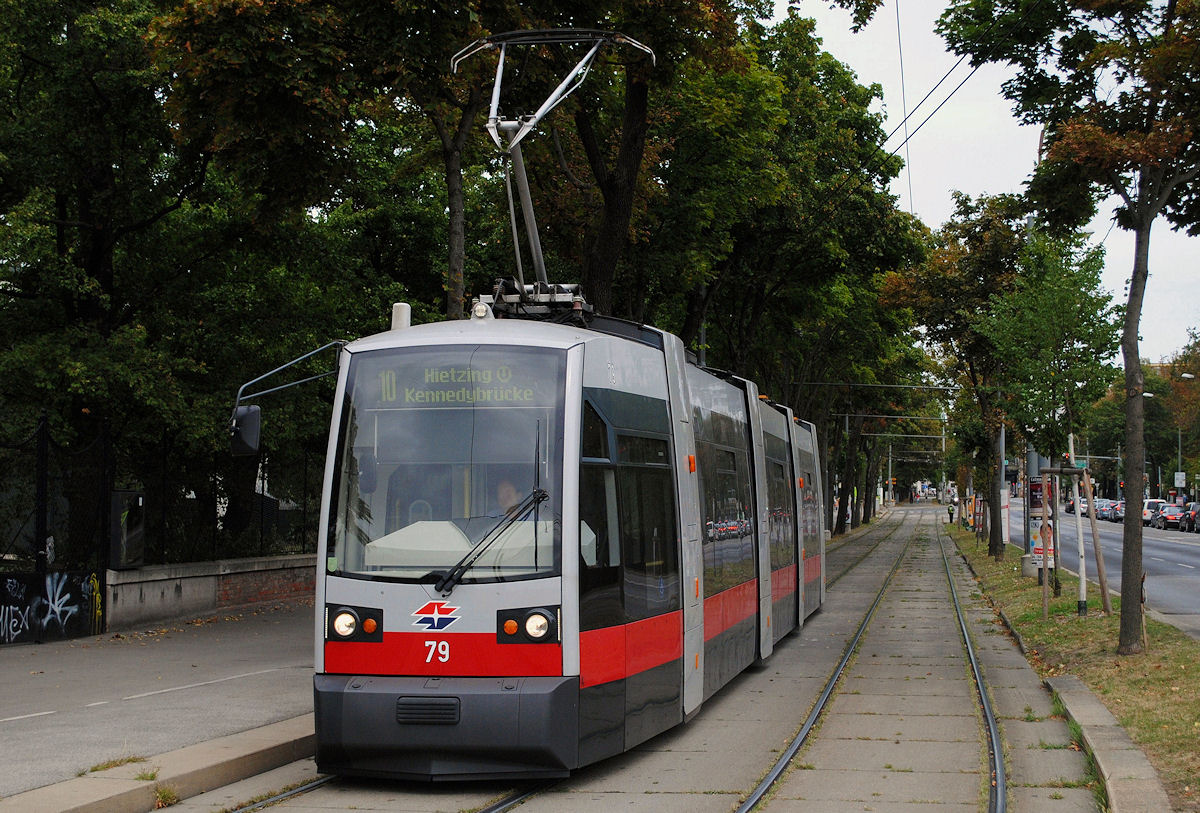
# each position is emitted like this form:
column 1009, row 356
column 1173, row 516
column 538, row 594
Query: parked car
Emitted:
column 1167, row 517
column 1149, row 508
column 1188, row 522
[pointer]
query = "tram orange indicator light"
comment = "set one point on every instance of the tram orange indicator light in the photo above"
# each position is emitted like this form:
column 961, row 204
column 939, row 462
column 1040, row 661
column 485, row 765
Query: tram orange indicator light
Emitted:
column 697, row 587
column 691, row 463
column 800, row 482
column 369, row 625
column 511, row 626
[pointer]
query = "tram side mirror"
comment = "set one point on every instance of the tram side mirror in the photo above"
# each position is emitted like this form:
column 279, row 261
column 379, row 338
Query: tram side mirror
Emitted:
column 368, row 468
column 244, row 430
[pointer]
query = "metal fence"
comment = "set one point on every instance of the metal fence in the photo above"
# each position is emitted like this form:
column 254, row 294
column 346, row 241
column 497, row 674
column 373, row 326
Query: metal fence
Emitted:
column 67, row 515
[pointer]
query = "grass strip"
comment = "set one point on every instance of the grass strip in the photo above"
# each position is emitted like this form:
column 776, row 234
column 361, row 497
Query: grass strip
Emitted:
column 1155, row 696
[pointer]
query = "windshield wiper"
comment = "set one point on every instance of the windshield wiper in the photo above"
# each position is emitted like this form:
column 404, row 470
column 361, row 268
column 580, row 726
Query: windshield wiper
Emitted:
column 522, row 510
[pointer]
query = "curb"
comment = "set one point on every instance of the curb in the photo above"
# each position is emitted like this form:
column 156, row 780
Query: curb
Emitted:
column 186, row 772
column 1132, row 784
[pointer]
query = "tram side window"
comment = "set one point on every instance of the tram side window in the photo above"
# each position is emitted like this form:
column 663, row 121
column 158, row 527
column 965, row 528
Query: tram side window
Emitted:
column 595, row 433
column 725, row 498
column 648, row 537
column 629, row 563
column 779, row 516
column 599, row 525
column 600, row 603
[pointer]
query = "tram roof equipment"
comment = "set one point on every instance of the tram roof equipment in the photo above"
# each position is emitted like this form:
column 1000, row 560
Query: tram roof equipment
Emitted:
column 514, row 297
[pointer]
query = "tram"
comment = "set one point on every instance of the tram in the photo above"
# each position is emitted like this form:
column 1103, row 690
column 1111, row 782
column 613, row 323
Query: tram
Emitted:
column 545, row 540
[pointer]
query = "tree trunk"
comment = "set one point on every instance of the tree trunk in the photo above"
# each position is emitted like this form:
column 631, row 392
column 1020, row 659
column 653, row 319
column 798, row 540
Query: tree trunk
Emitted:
column 829, row 455
column 452, row 160
column 849, row 475
column 696, row 310
column 453, row 138
column 1130, row 639
column 995, row 528
column 617, row 186
column 874, row 459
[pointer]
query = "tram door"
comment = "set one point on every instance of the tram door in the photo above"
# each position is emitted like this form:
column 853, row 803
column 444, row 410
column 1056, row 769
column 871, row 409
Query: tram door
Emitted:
column 630, row 620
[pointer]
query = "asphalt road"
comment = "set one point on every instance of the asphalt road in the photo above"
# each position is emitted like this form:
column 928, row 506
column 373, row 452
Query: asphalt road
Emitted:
column 1170, row 559
column 70, row 705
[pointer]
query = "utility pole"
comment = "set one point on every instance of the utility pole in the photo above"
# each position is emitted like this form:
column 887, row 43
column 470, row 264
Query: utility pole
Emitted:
column 1081, row 604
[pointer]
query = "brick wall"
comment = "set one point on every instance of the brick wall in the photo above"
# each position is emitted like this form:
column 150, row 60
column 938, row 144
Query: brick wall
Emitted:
column 156, row 593
column 264, row 585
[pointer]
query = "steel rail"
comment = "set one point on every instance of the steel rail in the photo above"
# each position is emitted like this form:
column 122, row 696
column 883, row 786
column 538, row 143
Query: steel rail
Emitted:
column 866, row 537
column 518, row 797
column 998, row 794
column 287, row 794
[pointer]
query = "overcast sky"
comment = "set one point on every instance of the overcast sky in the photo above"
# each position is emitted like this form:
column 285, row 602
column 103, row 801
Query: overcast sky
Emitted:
column 973, row 144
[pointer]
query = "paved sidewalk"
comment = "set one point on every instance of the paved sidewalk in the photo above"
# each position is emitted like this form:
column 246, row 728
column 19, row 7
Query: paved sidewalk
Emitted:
column 70, row 705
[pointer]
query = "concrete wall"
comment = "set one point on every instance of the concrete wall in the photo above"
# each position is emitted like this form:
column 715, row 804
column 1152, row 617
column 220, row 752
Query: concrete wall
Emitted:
column 160, row 592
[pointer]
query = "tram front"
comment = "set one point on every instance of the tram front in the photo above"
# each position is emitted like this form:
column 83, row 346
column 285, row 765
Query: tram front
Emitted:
column 439, row 650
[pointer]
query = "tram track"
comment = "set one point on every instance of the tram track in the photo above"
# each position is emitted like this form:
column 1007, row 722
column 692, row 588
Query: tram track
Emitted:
column 855, row 551
column 776, row 771
column 997, row 794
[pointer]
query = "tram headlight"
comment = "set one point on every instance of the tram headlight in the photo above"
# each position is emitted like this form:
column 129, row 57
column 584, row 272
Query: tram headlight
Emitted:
column 537, row 625
column 528, row 625
column 345, row 623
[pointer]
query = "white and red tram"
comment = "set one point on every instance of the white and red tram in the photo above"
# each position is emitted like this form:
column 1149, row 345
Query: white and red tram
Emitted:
column 542, row 544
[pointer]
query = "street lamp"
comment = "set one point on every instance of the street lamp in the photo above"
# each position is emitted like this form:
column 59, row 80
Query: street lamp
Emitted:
column 1146, row 462
column 1179, row 431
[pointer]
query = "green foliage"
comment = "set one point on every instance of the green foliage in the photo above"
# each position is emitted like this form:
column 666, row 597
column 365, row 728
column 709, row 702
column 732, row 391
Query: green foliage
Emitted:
column 1116, row 86
column 1055, row 332
column 193, row 193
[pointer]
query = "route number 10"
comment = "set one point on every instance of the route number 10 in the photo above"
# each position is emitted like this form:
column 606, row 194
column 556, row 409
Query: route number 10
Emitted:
column 438, row 649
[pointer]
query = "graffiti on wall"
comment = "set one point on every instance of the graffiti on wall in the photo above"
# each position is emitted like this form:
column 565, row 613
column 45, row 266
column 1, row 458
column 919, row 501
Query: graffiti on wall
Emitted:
column 49, row 607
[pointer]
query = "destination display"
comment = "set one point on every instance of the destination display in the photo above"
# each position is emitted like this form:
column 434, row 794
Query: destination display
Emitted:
column 461, row 385
column 458, row 377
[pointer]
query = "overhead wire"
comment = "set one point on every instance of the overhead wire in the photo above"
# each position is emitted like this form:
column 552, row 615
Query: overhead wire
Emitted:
column 904, row 110
column 866, row 164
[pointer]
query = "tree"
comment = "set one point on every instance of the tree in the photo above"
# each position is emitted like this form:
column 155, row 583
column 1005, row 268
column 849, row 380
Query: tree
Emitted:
column 139, row 286
column 268, row 85
column 1117, row 87
column 1054, row 331
column 714, row 136
column 89, row 176
column 974, row 259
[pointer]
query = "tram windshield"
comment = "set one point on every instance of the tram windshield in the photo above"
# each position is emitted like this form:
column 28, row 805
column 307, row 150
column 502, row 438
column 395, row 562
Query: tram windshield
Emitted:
column 440, row 449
